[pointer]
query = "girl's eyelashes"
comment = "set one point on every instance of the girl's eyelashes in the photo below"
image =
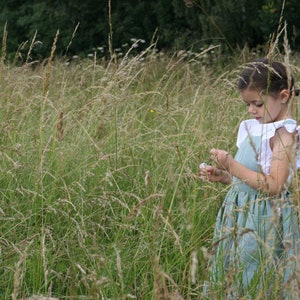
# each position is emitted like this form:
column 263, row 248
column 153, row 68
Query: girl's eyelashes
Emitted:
column 257, row 104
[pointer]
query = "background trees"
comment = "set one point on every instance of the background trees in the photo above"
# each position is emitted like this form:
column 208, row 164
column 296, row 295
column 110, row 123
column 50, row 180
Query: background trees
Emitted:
column 176, row 24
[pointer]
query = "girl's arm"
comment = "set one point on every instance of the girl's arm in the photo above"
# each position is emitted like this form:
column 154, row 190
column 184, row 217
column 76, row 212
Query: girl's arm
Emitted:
column 282, row 147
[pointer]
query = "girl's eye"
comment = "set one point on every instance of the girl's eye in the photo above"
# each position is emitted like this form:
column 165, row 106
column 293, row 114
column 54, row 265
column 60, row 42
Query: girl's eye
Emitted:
column 259, row 104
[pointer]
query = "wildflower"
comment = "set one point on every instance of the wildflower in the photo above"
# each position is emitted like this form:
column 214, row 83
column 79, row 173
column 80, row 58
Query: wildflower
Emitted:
column 203, row 165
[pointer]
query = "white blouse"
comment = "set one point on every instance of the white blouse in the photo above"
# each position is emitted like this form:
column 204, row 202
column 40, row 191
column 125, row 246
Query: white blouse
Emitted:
column 266, row 131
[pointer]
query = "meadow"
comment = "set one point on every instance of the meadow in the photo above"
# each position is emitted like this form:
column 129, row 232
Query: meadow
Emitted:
column 100, row 196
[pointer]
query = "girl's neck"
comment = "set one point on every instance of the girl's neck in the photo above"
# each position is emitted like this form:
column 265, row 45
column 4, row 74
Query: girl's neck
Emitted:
column 285, row 113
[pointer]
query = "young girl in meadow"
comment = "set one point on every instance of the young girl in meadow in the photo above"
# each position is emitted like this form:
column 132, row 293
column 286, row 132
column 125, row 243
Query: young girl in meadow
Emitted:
column 256, row 239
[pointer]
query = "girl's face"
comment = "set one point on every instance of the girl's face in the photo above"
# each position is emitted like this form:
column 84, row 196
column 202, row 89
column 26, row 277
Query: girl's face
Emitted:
column 266, row 108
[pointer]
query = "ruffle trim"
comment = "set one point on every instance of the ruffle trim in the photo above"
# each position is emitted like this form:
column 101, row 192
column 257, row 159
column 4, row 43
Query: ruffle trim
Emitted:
column 265, row 131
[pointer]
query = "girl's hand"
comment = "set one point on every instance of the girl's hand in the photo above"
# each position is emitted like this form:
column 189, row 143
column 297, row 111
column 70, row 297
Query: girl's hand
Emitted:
column 213, row 174
column 221, row 158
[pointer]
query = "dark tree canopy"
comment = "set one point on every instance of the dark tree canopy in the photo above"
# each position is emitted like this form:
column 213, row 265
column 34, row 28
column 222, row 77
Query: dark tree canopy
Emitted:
column 173, row 24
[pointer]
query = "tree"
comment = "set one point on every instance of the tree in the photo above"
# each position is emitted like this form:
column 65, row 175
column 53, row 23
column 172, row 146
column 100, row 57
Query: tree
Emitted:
column 176, row 25
column 44, row 18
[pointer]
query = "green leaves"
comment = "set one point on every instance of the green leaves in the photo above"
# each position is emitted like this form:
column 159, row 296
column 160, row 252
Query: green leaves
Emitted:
column 175, row 25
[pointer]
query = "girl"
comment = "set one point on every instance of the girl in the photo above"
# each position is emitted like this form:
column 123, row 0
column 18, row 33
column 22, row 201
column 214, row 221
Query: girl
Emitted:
column 256, row 238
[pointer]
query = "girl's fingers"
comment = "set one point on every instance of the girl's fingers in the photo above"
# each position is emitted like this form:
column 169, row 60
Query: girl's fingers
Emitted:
column 214, row 154
column 212, row 151
column 204, row 178
column 205, row 169
column 207, row 173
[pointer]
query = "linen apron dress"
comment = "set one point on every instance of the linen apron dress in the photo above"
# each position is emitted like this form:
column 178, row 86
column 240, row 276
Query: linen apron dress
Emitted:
column 256, row 239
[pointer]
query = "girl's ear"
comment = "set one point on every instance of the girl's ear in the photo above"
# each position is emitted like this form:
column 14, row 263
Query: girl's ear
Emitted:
column 285, row 96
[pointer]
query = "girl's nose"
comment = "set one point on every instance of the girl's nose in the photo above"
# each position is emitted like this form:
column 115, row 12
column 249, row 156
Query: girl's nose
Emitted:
column 251, row 109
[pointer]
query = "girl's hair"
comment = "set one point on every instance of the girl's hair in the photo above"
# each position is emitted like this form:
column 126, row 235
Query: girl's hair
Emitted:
column 266, row 76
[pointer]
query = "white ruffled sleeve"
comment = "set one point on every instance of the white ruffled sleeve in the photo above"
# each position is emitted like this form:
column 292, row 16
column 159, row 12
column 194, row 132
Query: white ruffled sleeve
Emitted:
column 268, row 131
column 298, row 149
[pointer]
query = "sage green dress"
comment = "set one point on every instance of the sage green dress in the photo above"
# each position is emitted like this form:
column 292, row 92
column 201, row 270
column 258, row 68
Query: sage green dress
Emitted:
column 256, row 240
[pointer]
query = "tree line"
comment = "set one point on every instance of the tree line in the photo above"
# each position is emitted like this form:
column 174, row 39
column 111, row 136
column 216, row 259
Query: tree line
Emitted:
column 112, row 25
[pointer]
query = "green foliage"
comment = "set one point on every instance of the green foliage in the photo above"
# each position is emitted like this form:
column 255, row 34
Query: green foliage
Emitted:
column 45, row 18
column 84, row 26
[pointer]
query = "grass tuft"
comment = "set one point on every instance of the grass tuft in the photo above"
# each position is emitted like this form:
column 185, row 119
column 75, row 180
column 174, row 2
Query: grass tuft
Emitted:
column 100, row 195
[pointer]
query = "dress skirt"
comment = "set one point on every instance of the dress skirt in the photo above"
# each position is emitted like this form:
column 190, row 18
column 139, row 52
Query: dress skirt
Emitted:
column 256, row 246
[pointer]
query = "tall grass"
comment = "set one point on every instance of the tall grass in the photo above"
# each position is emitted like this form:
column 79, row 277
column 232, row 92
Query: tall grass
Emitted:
column 100, row 195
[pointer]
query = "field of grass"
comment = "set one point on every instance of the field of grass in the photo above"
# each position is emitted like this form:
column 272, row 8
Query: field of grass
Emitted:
column 99, row 190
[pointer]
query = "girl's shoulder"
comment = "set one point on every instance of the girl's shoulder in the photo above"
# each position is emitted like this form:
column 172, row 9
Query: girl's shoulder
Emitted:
column 266, row 131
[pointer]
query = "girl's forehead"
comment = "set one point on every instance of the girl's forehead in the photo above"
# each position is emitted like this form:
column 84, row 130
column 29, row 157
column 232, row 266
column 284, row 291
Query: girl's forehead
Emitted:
column 252, row 96
column 251, row 93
